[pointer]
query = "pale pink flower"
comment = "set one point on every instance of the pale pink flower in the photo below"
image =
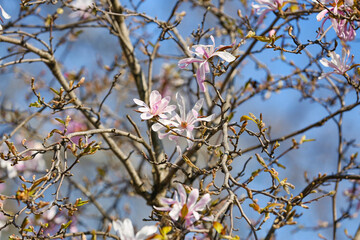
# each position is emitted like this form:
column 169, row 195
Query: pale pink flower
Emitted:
column 185, row 122
column 339, row 65
column 158, row 106
column 205, row 53
column 4, row 14
column 343, row 28
column 174, row 206
column 82, row 8
column 77, row 124
column 266, row 6
column 125, row 230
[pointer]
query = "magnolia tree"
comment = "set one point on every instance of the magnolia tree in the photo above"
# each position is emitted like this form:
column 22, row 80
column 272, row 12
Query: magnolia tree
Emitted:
column 169, row 117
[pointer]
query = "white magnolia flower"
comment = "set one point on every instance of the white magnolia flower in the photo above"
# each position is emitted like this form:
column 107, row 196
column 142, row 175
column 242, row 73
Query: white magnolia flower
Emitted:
column 205, row 53
column 183, row 123
column 193, row 204
column 339, row 65
column 125, row 230
column 158, row 106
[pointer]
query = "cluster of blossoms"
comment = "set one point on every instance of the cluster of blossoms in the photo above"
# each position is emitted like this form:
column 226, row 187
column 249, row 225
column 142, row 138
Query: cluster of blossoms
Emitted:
column 169, row 123
column 183, row 208
column 4, row 14
column 340, row 10
column 186, row 208
column 205, row 54
column 344, row 29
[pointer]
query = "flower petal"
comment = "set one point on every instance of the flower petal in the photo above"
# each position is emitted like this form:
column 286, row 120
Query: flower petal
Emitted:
column 145, row 232
column 198, row 105
column 193, row 196
column 200, row 77
column 127, row 228
column 321, row 14
column 200, row 205
column 146, row 116
column 175, row 212
column 181, row 103
column 139, row 102
column 5, row 15
column 183, row 63
column 225, row 56
column 155, row 97
column 182, row 193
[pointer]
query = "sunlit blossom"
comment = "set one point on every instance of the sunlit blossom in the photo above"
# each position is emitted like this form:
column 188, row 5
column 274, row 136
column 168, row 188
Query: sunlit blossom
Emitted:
column 125, row 230
column 344, row 29
column 183, row 123
column 205, row 53
column 340, row 65
column 181, row 203
column 266, row 6
column 158, row 106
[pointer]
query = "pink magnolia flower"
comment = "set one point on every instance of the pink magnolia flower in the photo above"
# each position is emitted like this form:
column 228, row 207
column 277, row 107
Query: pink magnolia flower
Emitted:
column 158, row 106
column 4, row 14
column 205, row 53
column 343, row 28
column 266, row 6
column 176, row 205
column 185, row 122
column 83, row 8
column 125, row 230
column 339, row 65
column 77, row 124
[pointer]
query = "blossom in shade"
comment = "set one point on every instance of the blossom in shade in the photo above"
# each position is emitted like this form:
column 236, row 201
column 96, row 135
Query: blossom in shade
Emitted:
column 158, row 106
column 344, row 29
column 183, row 123
column 340, row 65
column 4, row 14
column 169, row 79
column 125, row 230
column 9, row 168
column 36, row 164
column 205, row 54
column 181, row 203
column 266, row 6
